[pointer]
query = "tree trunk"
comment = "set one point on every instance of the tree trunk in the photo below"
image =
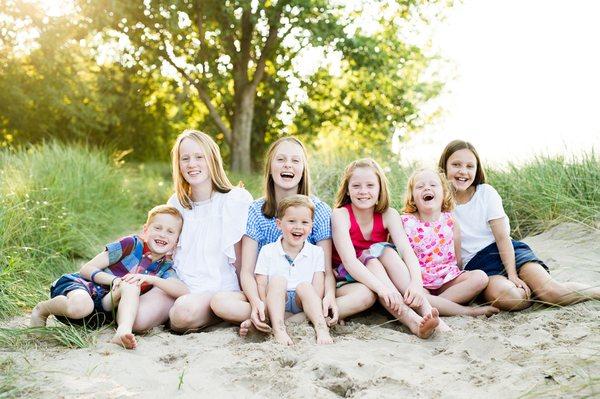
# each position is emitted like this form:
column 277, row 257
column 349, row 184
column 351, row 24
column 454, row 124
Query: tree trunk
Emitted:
column 242, row 132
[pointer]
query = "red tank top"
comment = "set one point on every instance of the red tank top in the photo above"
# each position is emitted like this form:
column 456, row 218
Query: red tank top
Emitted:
column 379, row 234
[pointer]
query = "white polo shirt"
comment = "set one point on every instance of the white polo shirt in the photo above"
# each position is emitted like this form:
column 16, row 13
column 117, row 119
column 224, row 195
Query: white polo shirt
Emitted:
column 272, row 261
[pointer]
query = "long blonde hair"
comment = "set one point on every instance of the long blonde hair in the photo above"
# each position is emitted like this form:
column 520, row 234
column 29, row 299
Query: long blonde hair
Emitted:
column 269, row 208
column 219, row 179
column 342, row 197
column 409, row 202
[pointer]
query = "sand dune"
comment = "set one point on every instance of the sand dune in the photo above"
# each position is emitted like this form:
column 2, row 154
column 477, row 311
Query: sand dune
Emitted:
column 538, row 352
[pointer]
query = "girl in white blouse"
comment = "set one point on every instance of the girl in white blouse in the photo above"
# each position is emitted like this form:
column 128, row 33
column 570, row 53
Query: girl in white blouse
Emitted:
column 215, row 215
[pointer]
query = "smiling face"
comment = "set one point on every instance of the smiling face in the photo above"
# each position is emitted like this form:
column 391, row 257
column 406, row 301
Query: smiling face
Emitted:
column 363, row 188
column 161, row 233
column 461, row 169
column 427, row 192
column 287, row 166
column 193, row 164
column 295, row 225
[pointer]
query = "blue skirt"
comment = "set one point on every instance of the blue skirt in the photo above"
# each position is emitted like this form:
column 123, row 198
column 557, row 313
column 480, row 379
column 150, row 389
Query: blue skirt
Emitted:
column 488, row 259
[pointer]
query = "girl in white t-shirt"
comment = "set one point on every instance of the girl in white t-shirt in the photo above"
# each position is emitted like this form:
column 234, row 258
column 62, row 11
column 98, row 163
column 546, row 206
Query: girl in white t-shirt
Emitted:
column 215, row 215
column 515, row 272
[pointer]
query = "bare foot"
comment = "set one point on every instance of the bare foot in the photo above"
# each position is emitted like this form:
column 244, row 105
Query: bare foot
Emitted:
column 38, row 319
column 486, row 311
column 126, row 340
column 443, row 327
column 246, row 327
column 281, row 336
column 428, row 324
column 323, row 337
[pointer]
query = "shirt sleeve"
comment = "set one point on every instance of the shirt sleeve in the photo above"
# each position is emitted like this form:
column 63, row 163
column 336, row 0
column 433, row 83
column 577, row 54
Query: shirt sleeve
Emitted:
column 262, row 263
column 169, row 273
column 253, row 225
column 120, row 249
column 322, row 222
column 493, row 201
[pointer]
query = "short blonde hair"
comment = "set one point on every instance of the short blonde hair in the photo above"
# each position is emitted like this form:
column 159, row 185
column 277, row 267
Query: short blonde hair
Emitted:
column 163, row 210
column 219, row 179
column 409, row 202
column 294, row 200
column 342, row 197
column 269, row 208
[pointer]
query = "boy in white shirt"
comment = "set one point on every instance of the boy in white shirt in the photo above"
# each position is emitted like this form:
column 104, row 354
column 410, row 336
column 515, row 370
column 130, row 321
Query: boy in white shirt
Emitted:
column 290, row 272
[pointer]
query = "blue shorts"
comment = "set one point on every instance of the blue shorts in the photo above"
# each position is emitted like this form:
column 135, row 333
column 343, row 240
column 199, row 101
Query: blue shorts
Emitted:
column 98, row 317
column 488, row 259
column 290, row 303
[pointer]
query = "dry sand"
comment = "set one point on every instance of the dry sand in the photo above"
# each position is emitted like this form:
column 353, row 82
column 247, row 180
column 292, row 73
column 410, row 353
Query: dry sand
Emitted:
column 542, row 352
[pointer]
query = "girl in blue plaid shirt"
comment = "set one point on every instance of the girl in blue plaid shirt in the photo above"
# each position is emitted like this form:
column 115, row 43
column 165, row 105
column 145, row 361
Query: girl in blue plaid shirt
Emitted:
column 286, row 173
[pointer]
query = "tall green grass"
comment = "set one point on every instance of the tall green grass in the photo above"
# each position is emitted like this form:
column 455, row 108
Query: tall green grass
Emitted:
column 58, row 204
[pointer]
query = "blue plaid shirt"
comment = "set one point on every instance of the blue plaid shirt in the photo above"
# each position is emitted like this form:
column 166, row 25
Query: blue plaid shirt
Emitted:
column 264, row 230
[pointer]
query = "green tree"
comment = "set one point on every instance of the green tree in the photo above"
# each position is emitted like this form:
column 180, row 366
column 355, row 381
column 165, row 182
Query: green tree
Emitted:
column 236, row 55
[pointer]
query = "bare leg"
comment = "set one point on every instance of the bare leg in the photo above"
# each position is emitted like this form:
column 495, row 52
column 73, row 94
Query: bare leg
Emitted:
column 233, row 307
column 353, row 298
column 128, row 306
column 423, row 327
column 275, row 301
column 153, row 310
column 312, row 305
column 398, row 275
column 77, row 304
column 464, row 288
column 550, row 291
column 504, row 295
column 192, row 312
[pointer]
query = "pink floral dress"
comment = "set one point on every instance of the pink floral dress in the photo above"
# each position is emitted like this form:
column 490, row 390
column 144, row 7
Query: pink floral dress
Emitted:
column 433, row 244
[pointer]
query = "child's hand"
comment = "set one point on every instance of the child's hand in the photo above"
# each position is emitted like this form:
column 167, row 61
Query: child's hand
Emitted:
column 329, row 303
column 257, row 316
column 414, row 295
column 521, row 284
column 391, row 298
column 139, row 279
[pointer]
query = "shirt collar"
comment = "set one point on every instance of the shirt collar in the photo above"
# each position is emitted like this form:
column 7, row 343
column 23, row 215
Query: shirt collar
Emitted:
column 303, row 252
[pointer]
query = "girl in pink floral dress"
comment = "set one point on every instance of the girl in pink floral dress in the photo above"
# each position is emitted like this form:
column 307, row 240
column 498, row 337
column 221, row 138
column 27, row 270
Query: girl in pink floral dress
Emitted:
column 435, row 237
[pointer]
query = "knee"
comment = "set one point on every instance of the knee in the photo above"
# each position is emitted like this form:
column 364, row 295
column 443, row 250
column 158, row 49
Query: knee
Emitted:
column 512, row 298
column 129, row 289
column 181, row 316
column 365, row 298
column 78, row 309
column 480, row 279
column 304, row 287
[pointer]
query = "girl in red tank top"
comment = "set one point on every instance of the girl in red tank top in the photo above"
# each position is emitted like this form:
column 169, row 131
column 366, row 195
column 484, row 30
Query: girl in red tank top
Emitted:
column 361, row 225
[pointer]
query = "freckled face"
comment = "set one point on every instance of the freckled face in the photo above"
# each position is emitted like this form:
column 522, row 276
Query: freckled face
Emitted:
column 461, row 168
column 162, row 233
column 363, row 188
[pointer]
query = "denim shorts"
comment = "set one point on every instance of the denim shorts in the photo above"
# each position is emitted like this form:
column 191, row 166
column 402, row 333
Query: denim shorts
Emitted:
column 98, row 317
column 489, row 261
column 290, row 303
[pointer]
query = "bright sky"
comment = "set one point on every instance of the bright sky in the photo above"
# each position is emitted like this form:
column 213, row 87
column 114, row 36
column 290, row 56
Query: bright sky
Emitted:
column 527, row 80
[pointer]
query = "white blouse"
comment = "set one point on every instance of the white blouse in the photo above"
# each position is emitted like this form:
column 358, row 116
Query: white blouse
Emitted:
column 205, row 253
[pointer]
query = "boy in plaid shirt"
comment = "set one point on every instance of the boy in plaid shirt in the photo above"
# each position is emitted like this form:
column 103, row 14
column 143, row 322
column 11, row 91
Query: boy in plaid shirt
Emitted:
column 117, row 277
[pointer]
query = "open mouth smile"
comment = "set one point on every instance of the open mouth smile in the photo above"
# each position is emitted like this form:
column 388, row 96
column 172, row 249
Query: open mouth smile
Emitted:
column 428, row 197
column 160, row 242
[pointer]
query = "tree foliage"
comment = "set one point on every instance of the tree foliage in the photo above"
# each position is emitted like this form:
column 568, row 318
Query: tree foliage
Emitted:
column 243, row 71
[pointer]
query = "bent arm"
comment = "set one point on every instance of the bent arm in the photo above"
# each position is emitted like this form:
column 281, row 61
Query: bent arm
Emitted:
column 393, row 222
column 247, row 279
column 507, row 252
column 456, row 238
column 329, row 280
column 340, row 225
column 98, row 263
column 171, row 286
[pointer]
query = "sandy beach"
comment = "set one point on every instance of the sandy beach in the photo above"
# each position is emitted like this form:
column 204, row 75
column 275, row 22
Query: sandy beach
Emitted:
column 540, row 352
